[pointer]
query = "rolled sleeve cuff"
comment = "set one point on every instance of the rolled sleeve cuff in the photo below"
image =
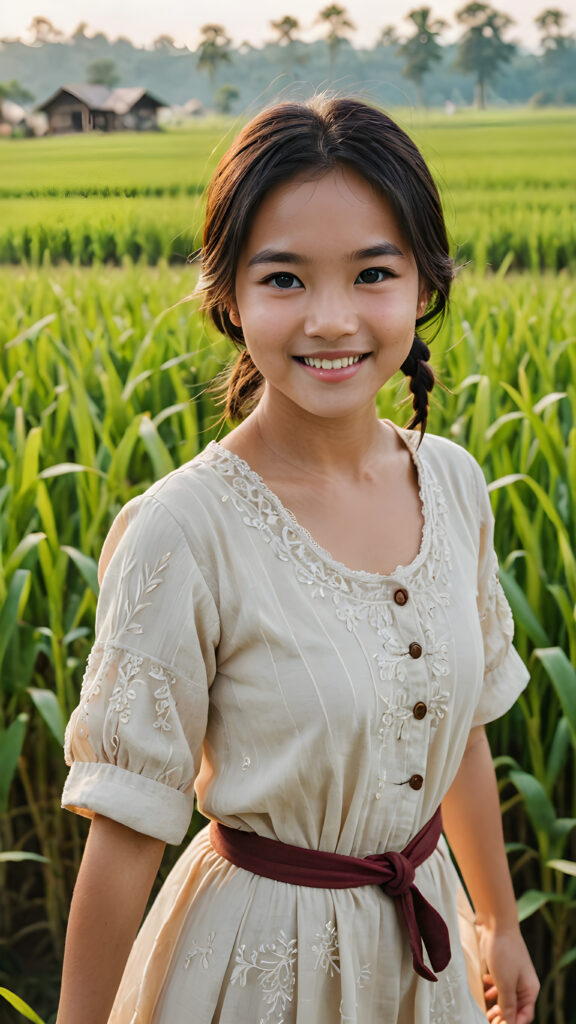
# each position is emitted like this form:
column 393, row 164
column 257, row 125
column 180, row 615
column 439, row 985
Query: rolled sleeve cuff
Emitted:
column 142, row 804
column 502, row 687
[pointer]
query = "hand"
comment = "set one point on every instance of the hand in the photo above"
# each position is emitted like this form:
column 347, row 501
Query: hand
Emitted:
column 511, row 985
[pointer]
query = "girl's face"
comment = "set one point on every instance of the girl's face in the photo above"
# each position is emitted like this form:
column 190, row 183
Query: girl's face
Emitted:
column 327, row 293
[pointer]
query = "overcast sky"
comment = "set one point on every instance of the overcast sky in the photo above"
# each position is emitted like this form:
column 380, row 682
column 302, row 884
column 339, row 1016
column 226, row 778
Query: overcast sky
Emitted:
column 143, row 20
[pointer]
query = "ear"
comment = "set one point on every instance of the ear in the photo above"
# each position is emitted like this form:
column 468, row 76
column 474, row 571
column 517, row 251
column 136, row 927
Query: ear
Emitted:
column 423, row 299
column 234, row 315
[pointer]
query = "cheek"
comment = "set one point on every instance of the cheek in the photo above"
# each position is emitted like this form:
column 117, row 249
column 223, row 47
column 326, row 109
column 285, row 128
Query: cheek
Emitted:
column 397, row 317
column 267, row 322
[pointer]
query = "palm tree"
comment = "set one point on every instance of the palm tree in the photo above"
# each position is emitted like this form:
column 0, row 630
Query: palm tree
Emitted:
column 338, row 24
column 44, row 31
column 421, row 49
column 388, row 36
column 481, row 48
column 551, row 23
column 287, row 27
column 214, row 49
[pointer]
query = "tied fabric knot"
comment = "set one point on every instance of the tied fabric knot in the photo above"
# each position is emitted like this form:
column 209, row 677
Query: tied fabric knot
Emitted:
column 403, row 877
column 393, row 872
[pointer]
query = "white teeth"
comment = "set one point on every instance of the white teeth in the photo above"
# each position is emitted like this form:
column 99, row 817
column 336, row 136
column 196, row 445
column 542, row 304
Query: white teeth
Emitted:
column 331, row 364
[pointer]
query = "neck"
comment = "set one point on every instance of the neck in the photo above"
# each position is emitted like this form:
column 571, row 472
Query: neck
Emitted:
column 322, row 446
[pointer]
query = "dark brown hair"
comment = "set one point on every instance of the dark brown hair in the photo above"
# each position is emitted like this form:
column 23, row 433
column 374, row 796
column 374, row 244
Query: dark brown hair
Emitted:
column 284, row 141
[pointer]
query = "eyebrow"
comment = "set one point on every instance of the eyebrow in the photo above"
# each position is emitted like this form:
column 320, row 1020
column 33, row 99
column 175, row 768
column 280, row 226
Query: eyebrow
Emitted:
column 281, row 256
column 382, row 249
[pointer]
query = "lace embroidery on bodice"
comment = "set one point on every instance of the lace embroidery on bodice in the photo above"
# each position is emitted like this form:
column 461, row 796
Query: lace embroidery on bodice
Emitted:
column 357, row 595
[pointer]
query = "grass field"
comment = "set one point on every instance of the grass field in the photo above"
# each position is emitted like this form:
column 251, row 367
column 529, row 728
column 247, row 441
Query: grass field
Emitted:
column 105, row 386
column 507, row 149
column 99, row 198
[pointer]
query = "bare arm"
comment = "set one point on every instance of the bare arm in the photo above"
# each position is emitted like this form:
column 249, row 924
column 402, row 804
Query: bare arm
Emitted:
column 114, row 882
column 473, row 825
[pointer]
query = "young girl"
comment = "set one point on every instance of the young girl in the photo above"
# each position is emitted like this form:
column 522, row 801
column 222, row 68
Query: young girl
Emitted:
column 304, row 626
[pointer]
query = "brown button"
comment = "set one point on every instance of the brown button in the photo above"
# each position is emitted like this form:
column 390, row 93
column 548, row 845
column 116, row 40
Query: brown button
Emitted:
column 400, row 595
column 415, row 650
column 419, row 710
column 415, row 782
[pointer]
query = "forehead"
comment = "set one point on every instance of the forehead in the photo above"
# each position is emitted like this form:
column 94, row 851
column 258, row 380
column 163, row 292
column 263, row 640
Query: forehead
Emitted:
column 337, row 208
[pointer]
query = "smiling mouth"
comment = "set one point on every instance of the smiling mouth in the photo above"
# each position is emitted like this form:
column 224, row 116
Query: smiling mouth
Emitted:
column 331, row 364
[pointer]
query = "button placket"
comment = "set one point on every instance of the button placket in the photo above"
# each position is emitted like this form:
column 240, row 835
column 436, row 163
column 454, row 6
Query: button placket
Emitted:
column 405, row 703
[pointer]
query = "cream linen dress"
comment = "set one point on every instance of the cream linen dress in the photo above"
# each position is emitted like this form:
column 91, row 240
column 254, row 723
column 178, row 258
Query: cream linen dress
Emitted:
column 324, row 707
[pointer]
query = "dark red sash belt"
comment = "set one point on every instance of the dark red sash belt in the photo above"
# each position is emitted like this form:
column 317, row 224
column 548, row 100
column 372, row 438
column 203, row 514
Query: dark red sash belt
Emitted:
column 393, row 872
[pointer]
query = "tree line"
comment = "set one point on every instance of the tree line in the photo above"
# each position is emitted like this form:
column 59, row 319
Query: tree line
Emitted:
column 482, row 50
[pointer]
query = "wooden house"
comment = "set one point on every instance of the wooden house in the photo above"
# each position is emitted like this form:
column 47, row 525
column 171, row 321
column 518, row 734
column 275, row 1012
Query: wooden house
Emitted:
column 85, row 108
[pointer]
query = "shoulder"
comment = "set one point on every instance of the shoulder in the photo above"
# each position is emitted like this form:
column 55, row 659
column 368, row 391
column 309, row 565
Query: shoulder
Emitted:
column 449, row 455
column 457, row 471
column 181, row 506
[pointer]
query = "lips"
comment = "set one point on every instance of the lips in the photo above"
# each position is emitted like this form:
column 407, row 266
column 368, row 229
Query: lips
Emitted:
column 333, row 367
column 339, row 362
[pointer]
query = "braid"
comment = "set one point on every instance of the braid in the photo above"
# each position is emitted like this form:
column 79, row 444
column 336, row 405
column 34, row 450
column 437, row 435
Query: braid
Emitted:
column 417, row 367
column 242, row 388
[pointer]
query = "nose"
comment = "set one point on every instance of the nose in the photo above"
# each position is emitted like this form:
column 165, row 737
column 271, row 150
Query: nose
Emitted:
column 330, row 315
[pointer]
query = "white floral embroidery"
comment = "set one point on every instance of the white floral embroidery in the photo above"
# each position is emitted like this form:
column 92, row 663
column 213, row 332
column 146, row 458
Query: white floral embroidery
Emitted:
column 124, row 693
column 493, row 581
column 203, row 951
column 353, row 610
column 274, row 963
column 96, row 666
column 399, row 709
column 246, row 762
column 443, row 1009
column 358, row 596
column 326, row 949
column 438, row 705
column 349, row 1016
column 362, row 978
column 393, row 664
column 436, row 654
column 163, row 697
column 150, row 578
column 121, row 677
column 395, row 715
column 496, row 641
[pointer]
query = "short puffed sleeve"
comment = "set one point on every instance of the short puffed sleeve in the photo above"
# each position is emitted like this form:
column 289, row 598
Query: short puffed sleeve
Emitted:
column 134, row 742
column 505, row 675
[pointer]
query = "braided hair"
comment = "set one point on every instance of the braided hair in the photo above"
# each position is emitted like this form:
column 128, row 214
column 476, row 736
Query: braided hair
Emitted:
column 417, row 367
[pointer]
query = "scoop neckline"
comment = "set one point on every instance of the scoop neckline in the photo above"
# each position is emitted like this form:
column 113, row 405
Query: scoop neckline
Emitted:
column 326, row 556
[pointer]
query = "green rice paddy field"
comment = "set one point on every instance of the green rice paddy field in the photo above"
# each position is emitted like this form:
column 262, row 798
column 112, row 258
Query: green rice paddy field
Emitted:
column 105, row 385
column 507, row 182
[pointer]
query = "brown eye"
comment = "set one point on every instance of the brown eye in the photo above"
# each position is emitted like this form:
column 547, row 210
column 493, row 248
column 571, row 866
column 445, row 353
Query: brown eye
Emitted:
column 283, row 280
column 373, row 275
